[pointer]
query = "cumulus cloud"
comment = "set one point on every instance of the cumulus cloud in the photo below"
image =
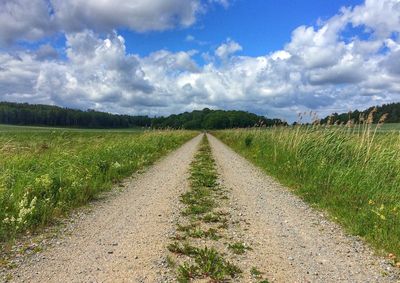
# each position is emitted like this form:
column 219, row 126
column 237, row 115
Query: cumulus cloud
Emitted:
column 24, row 19
column 34, row 19
column 317, row 69
column 46, row 52
column 228, row 48
column 139, row 15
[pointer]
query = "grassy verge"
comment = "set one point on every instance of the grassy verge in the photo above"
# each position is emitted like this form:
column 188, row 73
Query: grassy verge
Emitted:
column 354, row 174
column 204, row 221
column 203, row 246
column 43, row 174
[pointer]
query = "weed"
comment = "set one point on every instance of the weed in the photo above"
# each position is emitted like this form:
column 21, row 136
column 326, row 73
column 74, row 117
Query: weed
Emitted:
column 238, row 248
column 184, row 249
column 212, row 218
column 200, row 207
column 170, row 262
column 186, row 272
column 255, row 272
column 208, row 263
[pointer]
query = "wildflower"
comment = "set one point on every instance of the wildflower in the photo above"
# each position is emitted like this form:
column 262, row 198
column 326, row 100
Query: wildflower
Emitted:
column 44, row 181
column 371, row 202
column 116, row 165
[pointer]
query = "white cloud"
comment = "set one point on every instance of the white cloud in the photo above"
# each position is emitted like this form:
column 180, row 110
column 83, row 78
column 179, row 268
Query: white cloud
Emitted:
column 382, row 16
column 318, row 69
column 138, row 15
column 24, row 19
column 228, row 48
column 34, row 19
column 224, row 3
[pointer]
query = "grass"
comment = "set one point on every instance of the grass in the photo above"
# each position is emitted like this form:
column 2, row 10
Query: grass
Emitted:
column 238, row 248
column 203, row 178
column 354, row 173
column 256, row 273
column 207, row 263
column 44, row 173
column 4, row 128
column 201, row 202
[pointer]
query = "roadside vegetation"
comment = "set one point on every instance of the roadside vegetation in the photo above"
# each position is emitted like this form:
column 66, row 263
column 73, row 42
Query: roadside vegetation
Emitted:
column 351, row 171
column 43, row 174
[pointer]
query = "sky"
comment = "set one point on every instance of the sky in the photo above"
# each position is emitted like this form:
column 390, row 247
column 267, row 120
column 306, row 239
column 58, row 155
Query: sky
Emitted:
column 159, row 57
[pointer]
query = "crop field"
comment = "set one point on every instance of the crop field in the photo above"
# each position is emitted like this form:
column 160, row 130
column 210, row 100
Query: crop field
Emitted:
column 46, row 171
column 355, row 175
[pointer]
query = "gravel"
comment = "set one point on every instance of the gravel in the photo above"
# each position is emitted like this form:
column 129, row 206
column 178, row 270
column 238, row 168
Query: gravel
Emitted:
column 291, row 241
column 123, row 238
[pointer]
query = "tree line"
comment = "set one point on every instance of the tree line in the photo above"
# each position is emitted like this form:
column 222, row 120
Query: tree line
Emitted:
column 392, row 110
column 54, row 116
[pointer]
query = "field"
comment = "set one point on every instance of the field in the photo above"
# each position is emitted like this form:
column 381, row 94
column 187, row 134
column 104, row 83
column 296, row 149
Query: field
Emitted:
column 44, row 172
column 392, row 127
column 202, row 212
column 353, row 174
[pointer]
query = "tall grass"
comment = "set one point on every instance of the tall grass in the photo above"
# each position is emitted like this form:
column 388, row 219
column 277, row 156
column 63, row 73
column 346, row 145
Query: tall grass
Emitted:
column 45, row 174
column 352, row 172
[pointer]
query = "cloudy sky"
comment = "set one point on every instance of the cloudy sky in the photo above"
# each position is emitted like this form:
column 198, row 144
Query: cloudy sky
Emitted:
column 158, row 57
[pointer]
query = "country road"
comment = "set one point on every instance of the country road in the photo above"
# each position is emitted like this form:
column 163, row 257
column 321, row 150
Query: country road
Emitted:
column 124, row 238
column 293, row 242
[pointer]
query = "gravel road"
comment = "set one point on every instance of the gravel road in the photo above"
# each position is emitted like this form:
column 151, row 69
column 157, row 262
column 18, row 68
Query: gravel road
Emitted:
column 123, row 239
column 291, row 241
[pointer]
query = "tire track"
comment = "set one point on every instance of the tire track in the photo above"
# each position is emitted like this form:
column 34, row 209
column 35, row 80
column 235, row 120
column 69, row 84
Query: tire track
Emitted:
column 292, row 242
column 123, row 239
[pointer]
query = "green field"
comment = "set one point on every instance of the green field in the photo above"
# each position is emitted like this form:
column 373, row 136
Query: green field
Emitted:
column 390, row 127
column 353, row 174
column 44, row 172
column 13, row 128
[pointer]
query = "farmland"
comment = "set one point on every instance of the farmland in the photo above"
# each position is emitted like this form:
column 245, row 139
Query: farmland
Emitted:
column 44, row 172
column 352, row 173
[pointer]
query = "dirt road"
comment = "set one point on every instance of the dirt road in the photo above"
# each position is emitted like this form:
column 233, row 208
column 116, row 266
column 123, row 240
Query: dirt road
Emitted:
column 291, row 241
column 124, row 238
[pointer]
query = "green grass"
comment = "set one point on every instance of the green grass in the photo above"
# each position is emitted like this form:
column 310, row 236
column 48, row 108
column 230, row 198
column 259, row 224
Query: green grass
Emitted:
column 353, row 174
column 207, row 263
column 238, row 248
column 390, row 127
column 201, row 202
column 203, row 178
column 44, row 173
column 14, row 128
column 256, row 273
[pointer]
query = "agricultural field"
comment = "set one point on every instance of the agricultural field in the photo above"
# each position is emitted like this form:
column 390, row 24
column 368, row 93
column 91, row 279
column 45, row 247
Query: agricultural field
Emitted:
column 44, row 172
column 354, row 174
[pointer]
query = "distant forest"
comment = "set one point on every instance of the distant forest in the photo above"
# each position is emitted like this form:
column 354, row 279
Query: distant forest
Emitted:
column 54, row 116
column 392, row 110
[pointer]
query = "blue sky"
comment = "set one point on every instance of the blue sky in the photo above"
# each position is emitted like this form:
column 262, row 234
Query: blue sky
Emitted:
column 157, row 57
column 261, row 26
